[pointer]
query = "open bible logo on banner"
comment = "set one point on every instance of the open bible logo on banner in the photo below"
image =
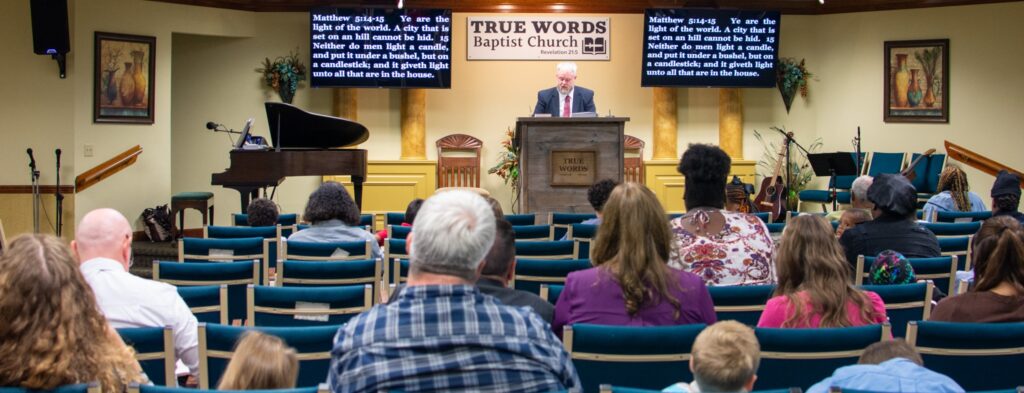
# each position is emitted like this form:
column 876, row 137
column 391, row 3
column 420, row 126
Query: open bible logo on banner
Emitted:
column 538, row 38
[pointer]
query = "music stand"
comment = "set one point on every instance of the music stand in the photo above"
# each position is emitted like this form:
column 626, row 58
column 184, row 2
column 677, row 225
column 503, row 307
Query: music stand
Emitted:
column 833, row 164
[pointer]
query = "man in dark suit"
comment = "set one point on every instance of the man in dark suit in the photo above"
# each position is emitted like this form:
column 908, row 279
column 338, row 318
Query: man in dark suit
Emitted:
column 565, row 98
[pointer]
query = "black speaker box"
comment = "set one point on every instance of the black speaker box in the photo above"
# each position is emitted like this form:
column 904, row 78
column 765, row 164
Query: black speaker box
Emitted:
column 50, row 27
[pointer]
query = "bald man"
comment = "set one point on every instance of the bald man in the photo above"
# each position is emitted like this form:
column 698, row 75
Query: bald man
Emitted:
column 103, row 246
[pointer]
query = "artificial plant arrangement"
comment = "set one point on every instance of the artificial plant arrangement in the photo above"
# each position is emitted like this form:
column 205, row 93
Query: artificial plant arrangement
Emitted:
column 283, row 75
column 792, row 77
column 507, row 167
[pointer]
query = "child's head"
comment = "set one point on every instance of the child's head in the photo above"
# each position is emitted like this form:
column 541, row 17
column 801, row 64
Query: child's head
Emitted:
column 891, row 267
column 725, row 357
column 852, row 218
column 261, row 361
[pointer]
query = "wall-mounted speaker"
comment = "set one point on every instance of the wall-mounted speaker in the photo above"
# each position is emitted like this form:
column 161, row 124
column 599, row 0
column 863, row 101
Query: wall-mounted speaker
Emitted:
column 50, row 30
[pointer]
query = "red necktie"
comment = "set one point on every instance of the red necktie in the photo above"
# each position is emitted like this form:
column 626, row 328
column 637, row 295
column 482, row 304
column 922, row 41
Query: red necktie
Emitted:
column 565, row 109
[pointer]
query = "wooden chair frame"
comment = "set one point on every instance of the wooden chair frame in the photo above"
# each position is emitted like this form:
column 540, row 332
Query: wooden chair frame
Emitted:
column 251, row 308
column 368, row 253
column 458, row 171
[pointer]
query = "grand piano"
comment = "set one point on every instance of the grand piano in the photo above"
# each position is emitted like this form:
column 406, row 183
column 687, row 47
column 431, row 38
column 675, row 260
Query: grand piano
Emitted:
column 305, row 144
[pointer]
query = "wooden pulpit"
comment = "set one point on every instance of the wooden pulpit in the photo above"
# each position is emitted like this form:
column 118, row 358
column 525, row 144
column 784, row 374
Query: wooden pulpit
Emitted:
column 559, row 158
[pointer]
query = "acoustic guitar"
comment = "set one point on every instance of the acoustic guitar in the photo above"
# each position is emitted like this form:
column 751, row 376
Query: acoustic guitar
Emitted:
column 909, row 172
column 773, row 189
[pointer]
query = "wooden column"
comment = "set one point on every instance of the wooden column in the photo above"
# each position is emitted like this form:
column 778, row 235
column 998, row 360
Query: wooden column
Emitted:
column 730, row 122
column 345, row 103
column 666, row 121
column 414, row 124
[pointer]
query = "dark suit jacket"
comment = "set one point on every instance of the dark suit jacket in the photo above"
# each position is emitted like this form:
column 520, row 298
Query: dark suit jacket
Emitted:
column 547, row 101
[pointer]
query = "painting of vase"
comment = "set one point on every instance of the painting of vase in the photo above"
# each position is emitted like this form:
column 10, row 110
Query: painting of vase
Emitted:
column 916, row 79
column 124, row 78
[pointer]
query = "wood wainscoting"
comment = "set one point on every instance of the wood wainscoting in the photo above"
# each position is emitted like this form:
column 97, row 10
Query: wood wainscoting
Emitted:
column 16, row 210
column 667, row 184
column 390, row 185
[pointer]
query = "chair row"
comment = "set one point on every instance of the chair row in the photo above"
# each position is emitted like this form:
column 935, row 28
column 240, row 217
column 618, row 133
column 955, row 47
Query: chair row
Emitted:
column 926, row 177
column 978, row 356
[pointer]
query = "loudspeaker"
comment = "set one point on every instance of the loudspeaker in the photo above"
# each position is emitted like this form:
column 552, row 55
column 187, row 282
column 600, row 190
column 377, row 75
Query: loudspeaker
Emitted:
column 50, row 27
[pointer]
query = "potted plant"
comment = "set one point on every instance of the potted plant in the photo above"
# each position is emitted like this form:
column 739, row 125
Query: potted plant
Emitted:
column 800, row 168
column 283, row 75
column 507, row 167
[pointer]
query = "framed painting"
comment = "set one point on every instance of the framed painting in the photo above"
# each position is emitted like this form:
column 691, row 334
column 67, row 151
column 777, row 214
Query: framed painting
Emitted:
column 123, row 80
column 916, row 81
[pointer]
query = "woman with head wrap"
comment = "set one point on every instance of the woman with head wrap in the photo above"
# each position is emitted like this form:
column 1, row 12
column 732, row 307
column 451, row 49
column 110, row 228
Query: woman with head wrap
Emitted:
column 894, row 227
column 954, row 195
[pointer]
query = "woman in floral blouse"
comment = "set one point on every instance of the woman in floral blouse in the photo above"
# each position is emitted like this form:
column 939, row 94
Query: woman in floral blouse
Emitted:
column 720, row 246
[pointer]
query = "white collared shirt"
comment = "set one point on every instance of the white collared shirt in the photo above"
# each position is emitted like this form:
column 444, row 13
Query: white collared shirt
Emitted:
column 131, row 301
column 561, row 101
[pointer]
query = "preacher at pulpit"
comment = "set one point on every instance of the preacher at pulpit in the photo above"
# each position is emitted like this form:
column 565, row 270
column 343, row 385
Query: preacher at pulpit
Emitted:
column 565, row 98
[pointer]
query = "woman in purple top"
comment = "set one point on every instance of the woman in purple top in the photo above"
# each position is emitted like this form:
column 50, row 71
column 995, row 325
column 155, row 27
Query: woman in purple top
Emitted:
column 632, row 283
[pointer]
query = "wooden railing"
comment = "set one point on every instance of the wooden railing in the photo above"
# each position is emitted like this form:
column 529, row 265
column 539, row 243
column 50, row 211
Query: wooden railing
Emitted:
column 106, row 169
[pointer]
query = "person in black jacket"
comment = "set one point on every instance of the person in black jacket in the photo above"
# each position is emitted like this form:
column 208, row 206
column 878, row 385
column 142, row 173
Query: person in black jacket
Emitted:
column 894, row 227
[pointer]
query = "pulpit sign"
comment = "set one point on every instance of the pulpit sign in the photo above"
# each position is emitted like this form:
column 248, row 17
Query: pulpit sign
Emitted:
column 573, row 167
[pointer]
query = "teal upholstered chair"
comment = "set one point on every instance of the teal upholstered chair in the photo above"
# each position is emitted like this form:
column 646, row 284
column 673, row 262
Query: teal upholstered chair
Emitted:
column 649, row 357
column 551, row 292
column 959, row 247
column 905, row 303
column 398, row 232
column 940, row 270
column 326, row 251
column 366, row 221
column 533, row 232
column 561, row 221
column 154, row 349
column 271, row 234
column 521, row 219
column 776, row 227
column 584, row 234
column 395, row 248
column 331, row 273
column 192, row 249
column 136, row 388
column 91, row 387
column 399, row 271
column 927, row 171
column 284, row 220
column 531, row 273
column 802, row 357
column 394, row 218
column 766, row 217
column 312, row 343
column 306, row 306
column 842, row 184
column 953, row 228
column 209, row 303
column 605, row 388
column 879, row 163
column 236, row 275
column 740, row 303
column 959, row 217
column 978, row 356
column 557, row 249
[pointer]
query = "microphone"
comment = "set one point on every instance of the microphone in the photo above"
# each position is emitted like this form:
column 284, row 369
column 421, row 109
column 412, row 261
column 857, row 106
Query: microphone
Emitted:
column 32, row 159
column 211, row 125
column 58, row 157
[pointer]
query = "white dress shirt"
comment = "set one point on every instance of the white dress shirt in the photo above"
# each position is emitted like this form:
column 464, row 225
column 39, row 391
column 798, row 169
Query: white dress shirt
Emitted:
column 561, row 101
column 131, row 301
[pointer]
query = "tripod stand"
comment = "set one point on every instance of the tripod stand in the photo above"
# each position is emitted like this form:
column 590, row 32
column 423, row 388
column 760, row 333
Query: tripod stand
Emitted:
column 34, row 173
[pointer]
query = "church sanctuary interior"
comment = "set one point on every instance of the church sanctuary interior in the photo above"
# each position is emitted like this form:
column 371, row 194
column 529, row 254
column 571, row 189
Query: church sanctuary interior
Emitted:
column 135, row 134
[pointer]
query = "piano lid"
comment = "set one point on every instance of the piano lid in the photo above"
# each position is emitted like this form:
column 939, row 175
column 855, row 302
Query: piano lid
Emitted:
column 305, row 130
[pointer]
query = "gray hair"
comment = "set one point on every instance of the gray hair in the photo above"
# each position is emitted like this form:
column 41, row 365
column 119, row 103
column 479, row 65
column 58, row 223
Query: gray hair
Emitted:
column 859, row 189
column 566, row 66
column 453, row 232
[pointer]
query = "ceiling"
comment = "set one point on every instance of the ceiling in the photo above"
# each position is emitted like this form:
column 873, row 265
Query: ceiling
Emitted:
column 796, row 7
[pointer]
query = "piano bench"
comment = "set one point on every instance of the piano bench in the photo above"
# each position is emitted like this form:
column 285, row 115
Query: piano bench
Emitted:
column 202, row 201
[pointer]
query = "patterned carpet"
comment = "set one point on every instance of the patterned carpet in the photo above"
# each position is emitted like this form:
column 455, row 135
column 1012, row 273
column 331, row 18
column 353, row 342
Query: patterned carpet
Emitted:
column 145, row 252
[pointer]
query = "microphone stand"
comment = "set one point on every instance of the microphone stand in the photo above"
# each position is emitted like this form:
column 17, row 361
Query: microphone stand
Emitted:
column 856, row 145
column 36, row 200
column 59, row 197
column 789, row 141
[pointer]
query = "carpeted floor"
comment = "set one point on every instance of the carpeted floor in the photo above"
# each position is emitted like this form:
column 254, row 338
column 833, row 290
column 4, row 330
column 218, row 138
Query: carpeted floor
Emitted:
column 145, row 252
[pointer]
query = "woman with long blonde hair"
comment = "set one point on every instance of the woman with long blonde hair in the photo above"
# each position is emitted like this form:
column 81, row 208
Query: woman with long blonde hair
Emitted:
column 632, row 283
column 52, row 332
column 261, row 362
column 814, row 282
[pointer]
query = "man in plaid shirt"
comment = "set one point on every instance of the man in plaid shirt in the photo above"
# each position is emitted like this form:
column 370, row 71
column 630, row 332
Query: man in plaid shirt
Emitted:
column 443, row 334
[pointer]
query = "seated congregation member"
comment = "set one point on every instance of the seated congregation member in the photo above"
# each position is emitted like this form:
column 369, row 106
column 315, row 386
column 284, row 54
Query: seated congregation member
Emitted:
column 410, row 216
column 858, row 199
column 1006, row 196
column 888, row 366
column 725, row 358
column 597, row 195
column 262, row 212
column 891, row 268
column 260, row 362
column 894, row 227
column 851, row 218
column 632, row 284
column 722, row 247
column 814, row 288
column 334, row 217
column 442, row 333
column 500, row 267
column 998, row 292
column 954, row 195
column 52, row 332
column 103, row 246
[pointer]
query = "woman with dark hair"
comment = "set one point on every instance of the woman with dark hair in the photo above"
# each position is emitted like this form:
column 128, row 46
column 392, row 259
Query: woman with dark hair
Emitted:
column 720, row 246
column 954, row 195
column 632, row 283
column 334, row 217
column 262, row 212
column 998, row 293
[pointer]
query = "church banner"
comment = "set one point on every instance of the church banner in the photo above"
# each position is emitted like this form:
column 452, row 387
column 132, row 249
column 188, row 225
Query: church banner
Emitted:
column 538, row 38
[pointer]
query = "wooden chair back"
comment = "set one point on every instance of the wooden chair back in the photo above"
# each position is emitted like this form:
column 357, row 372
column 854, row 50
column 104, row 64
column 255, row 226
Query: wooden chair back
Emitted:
column 633, row 163
column 458, row 170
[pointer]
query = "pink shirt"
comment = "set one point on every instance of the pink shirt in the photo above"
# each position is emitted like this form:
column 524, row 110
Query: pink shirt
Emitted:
column 778, row 310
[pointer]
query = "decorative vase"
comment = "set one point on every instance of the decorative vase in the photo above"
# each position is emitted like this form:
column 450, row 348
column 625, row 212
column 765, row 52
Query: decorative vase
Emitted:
column 109, row 86
column 902, row 80
column 929, row 97
column 286, row 92
column 914, row 93
column 126, row 86
column 140, row 78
